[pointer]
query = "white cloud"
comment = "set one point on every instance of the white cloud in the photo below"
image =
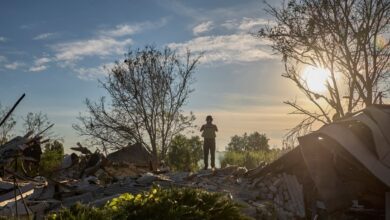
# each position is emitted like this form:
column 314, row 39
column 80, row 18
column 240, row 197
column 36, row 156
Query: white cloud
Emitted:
column 37, row 68
column 14, row 65
column 246, row 24
column 42, row 61
column 2, row 39
column 40, row 64
column 89, row 73
column 202, row 27
column 227, row 48
column 230, row 24
column 122, row 30
column 106, row 43
column 44, row 36
column 102, row 46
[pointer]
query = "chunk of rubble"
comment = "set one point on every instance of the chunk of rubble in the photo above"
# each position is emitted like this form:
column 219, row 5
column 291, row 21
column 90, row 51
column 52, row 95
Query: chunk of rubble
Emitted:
column 149, row 178
column 333, row 169
column 123, row 169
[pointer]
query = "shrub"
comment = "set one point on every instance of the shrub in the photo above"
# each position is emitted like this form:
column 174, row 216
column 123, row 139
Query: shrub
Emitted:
column 249, row 159
column 185, row 153
column 51, row 157
column 251, row 142
column 158, row 203
column 79, row 211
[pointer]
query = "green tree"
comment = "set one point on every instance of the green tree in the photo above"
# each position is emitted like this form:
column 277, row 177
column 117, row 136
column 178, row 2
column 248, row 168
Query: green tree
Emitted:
column 252, row 142
column 51, row 157
column 185, row 153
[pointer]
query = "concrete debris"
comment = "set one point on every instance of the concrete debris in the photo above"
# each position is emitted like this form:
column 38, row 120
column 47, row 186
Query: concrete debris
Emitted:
column 135, row 154
column 45, row 194
column 341, row 170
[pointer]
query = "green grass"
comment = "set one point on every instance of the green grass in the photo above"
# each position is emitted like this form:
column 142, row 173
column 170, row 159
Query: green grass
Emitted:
column 248, row 159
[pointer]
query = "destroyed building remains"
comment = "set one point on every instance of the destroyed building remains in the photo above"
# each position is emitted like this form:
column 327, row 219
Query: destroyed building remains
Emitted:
column 342, row 169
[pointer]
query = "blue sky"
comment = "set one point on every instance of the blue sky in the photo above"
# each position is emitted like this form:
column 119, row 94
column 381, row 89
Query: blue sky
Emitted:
column 55, row 51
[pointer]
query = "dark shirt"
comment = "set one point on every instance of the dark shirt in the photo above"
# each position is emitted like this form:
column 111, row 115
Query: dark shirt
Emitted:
column 208, row 130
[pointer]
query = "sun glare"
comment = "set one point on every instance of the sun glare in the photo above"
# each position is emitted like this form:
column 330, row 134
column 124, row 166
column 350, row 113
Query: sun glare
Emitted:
column 316, row 78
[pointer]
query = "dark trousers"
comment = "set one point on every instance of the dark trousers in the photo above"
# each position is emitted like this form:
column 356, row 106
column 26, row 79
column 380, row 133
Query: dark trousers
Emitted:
column 209, row 145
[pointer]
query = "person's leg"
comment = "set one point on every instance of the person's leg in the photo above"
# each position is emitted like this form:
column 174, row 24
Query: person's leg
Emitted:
column 212, row 152
column 205, row 154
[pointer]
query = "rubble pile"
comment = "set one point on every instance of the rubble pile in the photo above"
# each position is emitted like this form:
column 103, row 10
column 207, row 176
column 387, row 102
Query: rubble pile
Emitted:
column 285, row 192
column 341, row 170
column 23, row 196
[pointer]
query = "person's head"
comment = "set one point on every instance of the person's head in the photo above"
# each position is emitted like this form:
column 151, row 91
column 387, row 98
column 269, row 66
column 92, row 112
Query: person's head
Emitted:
column 209, row 119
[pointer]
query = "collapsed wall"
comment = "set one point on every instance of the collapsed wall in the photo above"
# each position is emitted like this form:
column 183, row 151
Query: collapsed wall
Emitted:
column 343, row 168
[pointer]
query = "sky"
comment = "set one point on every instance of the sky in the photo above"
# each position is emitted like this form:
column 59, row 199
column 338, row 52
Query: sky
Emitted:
column 56, row 51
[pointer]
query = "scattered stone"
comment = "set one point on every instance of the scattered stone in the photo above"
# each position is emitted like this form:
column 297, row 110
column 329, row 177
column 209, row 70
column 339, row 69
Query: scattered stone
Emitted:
column 240, row 171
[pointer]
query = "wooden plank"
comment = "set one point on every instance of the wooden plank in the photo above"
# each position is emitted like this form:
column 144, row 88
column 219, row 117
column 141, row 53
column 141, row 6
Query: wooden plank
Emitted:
column 387, row 211
column 10, row 196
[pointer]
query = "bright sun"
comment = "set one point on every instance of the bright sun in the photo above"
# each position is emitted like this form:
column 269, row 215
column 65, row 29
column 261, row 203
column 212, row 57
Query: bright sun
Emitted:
column 316, row 78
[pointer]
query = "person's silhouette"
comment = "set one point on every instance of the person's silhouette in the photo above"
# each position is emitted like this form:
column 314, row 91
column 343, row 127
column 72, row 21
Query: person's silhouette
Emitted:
column 208, row 133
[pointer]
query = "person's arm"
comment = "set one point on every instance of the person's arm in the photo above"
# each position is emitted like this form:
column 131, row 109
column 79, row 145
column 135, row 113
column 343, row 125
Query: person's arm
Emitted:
column 216, row 128
column 202, row 128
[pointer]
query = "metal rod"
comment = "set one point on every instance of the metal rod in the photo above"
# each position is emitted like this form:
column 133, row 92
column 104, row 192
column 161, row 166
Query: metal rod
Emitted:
column 24, row 202
column 15, row 188
column 45, row 130
column 12, row 109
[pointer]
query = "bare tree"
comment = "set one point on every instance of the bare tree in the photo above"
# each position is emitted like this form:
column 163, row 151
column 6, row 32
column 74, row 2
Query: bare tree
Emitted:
column 7, row 127
column 35, row 122
column 350, row 38
column 40, row 123
column 148, row 92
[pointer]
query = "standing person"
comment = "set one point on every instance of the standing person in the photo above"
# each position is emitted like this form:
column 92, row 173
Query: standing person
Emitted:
column 208, row 133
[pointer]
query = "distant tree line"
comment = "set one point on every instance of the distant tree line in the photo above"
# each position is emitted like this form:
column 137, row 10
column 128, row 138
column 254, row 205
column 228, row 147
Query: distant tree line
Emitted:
column 252, row 142
column 249, row 151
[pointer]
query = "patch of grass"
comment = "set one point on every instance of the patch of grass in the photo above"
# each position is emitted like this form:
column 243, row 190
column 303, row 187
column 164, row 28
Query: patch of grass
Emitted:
column 249, row 159
column 158, row 203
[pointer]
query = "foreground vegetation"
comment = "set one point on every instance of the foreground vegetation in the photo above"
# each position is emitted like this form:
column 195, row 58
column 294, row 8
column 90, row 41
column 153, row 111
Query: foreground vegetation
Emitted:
column 158, row 203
